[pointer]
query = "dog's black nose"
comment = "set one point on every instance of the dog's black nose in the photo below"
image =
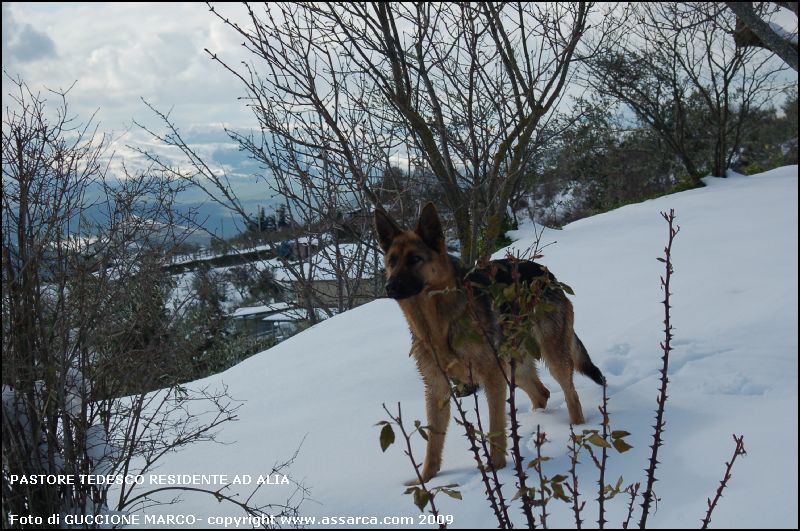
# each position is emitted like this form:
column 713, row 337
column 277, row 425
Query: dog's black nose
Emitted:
column 393, row 288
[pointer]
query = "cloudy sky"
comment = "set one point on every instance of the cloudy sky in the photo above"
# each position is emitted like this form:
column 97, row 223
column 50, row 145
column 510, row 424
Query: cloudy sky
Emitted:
column 118, row 53
column 121, row 52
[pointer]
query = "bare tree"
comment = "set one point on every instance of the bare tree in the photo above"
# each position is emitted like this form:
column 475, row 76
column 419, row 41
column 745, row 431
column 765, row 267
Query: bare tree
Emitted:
column 344, row 91
column 677, row 69
column 753, row 30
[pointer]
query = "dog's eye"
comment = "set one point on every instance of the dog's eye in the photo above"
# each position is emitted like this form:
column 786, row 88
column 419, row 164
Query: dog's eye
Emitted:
column 393, row 260
column 414, row 259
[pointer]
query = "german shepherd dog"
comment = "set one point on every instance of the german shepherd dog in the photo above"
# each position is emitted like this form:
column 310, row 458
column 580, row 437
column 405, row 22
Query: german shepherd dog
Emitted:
column 430, row 287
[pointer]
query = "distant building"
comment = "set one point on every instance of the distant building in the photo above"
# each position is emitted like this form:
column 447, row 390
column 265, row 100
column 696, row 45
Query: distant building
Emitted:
column 348, row 272
column 276, row 320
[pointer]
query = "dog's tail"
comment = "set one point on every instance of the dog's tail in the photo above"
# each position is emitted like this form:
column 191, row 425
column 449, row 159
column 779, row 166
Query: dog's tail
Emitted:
column 583, row 363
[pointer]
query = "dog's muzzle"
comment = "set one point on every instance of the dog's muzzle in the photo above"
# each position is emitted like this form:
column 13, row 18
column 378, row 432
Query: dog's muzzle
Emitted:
column 399, row 288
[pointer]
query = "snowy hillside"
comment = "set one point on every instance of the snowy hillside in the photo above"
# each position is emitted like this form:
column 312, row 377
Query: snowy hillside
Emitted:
column 733, row 370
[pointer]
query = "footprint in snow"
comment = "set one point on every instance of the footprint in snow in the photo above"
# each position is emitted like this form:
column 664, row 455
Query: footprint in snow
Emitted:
column 616, row 359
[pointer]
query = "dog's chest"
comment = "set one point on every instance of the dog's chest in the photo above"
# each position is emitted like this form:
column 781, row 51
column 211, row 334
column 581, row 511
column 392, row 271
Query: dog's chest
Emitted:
column 430, row 319
column 446, row 333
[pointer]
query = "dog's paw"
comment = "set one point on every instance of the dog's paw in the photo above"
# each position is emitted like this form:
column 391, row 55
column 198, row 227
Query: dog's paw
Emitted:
column 425, row 477
column 541, row 400
column 576, row 418
column 428, row 472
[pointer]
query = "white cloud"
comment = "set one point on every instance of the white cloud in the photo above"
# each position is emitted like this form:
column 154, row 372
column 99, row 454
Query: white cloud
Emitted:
column 117, row 54
column 22, row 42
column 121, row 52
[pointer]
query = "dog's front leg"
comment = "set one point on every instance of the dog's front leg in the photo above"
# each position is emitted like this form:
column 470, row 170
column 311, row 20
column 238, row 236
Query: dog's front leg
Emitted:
column 437, row 405
column 496, row 397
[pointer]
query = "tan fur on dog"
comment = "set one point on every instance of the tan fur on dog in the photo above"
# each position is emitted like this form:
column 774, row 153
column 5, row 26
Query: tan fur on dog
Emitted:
column 429, row 286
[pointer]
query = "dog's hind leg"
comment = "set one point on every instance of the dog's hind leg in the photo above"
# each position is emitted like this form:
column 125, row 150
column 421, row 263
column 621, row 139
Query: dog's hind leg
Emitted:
column 527, row 378
column 562, row 367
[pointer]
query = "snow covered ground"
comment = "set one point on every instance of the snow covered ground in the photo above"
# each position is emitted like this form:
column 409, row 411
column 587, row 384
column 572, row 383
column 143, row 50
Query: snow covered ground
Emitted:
column 733, row 370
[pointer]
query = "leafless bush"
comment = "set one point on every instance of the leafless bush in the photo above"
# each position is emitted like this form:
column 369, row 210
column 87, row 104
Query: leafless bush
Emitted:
column 85, row 329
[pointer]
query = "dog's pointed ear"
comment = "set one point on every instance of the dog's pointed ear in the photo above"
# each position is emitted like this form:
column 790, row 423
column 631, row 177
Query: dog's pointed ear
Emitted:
column 429, row 228
column 386, row 229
